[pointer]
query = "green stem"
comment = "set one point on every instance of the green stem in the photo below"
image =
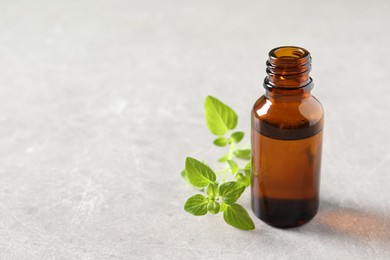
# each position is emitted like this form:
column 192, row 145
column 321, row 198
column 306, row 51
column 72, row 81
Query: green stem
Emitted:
column 224, row 170
column 231, row 151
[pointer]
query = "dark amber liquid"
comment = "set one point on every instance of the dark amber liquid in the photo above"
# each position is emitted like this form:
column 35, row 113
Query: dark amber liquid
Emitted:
column 285, row 213
column 285, row 173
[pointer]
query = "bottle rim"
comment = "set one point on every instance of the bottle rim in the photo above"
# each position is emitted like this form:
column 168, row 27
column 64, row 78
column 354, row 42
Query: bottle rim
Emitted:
column 289, row 53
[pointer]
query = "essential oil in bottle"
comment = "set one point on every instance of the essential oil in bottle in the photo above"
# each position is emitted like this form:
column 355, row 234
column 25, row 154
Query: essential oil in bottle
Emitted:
column 287, row 123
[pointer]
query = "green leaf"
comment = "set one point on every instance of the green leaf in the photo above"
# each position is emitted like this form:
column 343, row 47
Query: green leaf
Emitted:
column 231, row 191
column 198, row 173
column 223, row 207
column 244, row 179
column 184, row 175
column 237, row 136
column 212, row 190
column 236, row 216
column 248, row 165
column 219, row 117
column 196, row 205
column 223, row 158
column 243, row 153
column 247, row 169
column 220, row 141
column 239, row 176
column 213, row 207
column 233, row 166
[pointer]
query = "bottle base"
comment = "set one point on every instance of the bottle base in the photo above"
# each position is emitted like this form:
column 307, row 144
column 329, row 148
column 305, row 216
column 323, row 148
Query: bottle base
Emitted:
column 285, row 213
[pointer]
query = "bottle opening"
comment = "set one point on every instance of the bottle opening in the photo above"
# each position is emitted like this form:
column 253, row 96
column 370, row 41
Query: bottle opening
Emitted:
column 288, row 52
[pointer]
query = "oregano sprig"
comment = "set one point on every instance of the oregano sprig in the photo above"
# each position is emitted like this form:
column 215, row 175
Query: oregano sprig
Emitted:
column 220, row 194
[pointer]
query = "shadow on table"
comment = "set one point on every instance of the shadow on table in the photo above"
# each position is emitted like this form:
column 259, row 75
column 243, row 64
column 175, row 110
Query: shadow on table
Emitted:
column 352, row 222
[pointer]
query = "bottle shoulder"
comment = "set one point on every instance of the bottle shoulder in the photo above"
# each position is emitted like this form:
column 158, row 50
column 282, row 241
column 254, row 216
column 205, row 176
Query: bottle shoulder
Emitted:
column 288, row 112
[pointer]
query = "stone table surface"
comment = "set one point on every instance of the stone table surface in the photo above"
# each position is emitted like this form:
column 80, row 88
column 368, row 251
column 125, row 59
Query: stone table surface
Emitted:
column 101, row 101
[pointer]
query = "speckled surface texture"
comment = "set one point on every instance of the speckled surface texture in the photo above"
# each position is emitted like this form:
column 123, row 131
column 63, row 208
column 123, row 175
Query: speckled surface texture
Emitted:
column 101, row 101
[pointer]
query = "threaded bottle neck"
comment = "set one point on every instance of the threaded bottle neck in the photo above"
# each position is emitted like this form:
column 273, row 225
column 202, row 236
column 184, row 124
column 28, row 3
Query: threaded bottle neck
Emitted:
column 288, row 67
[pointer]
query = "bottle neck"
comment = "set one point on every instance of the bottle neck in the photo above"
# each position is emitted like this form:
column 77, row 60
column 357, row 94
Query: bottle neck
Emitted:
column 288, row 71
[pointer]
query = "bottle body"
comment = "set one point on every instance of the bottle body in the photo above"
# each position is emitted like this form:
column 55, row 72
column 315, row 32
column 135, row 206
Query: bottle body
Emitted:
column 287, row 125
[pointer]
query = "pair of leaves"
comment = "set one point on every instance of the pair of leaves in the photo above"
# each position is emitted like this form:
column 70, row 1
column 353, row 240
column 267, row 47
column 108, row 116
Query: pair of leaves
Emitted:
column 236, row 137
column 234, row 214
column 244, row 154
column 200, row 175
column 198, row 205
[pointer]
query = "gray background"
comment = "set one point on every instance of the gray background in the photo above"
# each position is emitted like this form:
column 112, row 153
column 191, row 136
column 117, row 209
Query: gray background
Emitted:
column 101, row 101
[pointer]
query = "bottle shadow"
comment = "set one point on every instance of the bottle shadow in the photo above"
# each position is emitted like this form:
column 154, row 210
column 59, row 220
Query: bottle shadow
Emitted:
column 352, row 222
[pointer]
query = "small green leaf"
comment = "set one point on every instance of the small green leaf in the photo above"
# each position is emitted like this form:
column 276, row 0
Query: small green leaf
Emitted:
column 233, row 166
column 196, row 205
column 231, row 191
column 223, row 207
column 245, row 179
column 220, row 141
column 239, row 176
column 212, row 190
column 248, row 171
column 198, row 173
column 219, row 116
column 243, row 153
column 236, row 216
column 237, row 136
column 248, row 166
column 223, row 158
column 213, row 207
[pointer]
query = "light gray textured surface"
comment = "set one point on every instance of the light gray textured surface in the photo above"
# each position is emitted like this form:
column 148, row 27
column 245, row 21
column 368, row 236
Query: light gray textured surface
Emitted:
column 100, row 102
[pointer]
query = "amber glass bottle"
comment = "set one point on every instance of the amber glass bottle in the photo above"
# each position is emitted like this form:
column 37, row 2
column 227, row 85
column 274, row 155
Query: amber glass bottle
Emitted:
column 287, row 127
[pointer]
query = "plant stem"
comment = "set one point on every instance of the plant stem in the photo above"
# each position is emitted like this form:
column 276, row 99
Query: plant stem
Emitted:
column 231, row 151
column 224, row 170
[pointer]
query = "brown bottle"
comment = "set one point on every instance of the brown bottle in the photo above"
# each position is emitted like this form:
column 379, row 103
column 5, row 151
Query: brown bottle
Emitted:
column 287, row 127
